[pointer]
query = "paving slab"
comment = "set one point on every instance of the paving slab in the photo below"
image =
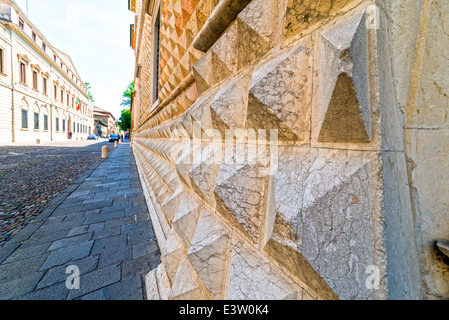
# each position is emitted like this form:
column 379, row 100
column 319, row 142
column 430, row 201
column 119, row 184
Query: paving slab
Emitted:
column 99, row 227
column 129, row 289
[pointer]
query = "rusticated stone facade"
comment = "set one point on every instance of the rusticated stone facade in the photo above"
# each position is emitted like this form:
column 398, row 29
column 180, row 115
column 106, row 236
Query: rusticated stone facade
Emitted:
column 340, row 108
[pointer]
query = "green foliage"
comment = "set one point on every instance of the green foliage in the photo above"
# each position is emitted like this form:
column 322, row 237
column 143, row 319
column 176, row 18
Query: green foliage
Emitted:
column 126, row 102
column 125, row 120
column 91, row 98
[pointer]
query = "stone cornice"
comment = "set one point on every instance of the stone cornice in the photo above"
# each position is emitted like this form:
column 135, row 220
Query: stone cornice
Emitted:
column 36, row 67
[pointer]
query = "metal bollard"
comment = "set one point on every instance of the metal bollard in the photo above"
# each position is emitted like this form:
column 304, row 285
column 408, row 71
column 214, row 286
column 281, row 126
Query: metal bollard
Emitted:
column 115, row 144
column 104, row 152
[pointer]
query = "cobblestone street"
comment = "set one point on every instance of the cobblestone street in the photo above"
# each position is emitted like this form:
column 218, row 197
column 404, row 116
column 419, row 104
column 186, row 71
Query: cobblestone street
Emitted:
column 100, row 224
column 32, row 176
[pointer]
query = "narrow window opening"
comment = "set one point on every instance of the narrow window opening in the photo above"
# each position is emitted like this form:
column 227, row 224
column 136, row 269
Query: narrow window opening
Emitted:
column 34, row 80
column 36, row 121
column 156, row 56
column 24, row 119
column 22, row 72
column 2, row 54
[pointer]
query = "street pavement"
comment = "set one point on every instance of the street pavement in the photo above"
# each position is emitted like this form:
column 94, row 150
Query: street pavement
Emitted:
column 99, row 226
column 31, row 176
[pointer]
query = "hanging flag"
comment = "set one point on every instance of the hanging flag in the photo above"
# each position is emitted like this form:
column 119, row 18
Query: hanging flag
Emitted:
column 78, row 104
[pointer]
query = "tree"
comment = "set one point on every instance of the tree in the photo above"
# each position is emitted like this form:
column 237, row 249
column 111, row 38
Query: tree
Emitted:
column 91, row 98
column 126, row 102
column 125, row 120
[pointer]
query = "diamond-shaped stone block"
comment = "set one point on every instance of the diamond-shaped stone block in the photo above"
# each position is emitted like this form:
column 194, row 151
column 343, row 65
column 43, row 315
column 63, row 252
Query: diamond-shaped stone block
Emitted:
column 209, row 253
column 343, row 112
column 280, row 95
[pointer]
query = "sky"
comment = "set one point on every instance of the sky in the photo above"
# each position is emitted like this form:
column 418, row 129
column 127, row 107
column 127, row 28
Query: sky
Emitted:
column 95, row 34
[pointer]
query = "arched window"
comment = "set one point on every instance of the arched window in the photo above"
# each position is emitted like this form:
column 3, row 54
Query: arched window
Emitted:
column 156, row 54
column 36, row 119
column 24, row 114
column 57, row 118
column 64, row 121
column 45, row 118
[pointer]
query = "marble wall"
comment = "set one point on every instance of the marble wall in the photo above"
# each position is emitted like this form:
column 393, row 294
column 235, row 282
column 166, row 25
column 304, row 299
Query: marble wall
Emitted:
column 296, row 156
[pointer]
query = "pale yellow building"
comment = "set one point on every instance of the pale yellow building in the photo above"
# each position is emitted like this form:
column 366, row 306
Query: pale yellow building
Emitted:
column 42, row 96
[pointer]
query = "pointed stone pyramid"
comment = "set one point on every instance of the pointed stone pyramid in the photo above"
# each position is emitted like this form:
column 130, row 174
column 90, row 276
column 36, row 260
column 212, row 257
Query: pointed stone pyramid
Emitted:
column 344, row 120
column 239, row 194
column 344, row 106
column 280, row 95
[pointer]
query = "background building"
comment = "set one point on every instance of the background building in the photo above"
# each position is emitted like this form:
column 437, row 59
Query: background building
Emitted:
column 354, row 195
column 41, row 94
column 101, row 128
column 105, row 123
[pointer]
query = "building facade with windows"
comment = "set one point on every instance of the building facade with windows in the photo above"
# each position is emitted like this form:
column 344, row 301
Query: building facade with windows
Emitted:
column 341, row 189
column 105, row 123
column 42, row 95
column 101, row 128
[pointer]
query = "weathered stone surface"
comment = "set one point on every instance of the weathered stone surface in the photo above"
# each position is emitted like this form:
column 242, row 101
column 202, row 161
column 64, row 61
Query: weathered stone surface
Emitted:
column 151, row 287
column 187, row 285
column 204, row 172
column 351, row 201
column 250, row 269
column 203, row 72
column 209, row 253
column 163, row 283
column 224, row 55
column 200, row 118
column 173, row 252
column 257, row 30
column 229, row 105
column 186, row 218
column 303, row 16
column 280, row 95
column 343, row 107
column 239, row 195
column 171, row 204
column 430, row 176
column 326, row 210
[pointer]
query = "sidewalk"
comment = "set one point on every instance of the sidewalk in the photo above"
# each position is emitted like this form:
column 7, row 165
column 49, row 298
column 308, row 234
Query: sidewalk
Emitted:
column 100, row 225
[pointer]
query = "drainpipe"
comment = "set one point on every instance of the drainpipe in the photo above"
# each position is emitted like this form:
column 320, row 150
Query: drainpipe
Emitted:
column 51, row 122
column 13, row 134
